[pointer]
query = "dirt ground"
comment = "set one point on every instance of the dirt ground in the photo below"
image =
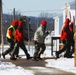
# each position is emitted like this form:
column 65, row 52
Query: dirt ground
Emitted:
column 38, row 67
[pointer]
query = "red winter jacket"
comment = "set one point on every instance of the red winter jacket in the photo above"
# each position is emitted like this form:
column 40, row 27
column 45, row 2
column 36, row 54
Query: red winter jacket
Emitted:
column 19, row 33
column 65, row 33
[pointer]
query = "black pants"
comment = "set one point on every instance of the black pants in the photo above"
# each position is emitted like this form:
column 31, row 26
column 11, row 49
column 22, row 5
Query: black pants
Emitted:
column 22, row 46
column 66, row 47
column 71, row 47
column 16, row 51
column 12, row 43
column 39, row 49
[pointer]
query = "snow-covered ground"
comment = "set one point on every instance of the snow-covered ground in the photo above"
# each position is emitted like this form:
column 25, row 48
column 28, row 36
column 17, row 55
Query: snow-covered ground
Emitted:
column 66, row 64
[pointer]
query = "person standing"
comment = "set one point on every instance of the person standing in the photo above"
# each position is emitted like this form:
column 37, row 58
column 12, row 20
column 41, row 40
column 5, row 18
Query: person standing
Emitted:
column 20, row 41
column 39, row 38
column 10, row 37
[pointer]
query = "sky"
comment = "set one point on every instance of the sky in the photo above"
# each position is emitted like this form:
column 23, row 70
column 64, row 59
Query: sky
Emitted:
column 34, row 7
column 7, row 68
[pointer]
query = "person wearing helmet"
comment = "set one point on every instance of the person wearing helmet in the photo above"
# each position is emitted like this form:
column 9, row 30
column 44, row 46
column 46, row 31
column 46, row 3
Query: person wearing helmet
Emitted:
column 39, row 37
column 10, row 37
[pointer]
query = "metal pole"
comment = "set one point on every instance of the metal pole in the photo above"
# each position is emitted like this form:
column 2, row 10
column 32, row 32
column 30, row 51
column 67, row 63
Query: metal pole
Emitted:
column 75, row 15
column 14, row 14
column 0, row 18
column 0, row 22
column 28, row 35
column 2, row 41
column 2, row 36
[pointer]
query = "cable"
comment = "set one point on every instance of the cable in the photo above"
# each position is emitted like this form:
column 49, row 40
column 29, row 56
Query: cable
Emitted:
column 43, row 10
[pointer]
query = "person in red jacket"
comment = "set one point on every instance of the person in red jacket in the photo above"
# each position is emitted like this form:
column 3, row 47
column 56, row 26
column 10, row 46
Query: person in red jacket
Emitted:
column 64, row 38
column 71, row 39
column 10, row 37
column 20, row 41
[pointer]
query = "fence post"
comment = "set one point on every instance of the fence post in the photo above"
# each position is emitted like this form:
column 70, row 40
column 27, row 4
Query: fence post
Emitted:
column 75, row 37
column 75, row 49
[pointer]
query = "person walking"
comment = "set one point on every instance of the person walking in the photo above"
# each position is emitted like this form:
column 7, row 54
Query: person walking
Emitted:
column 20, row 41
column 71, row 39
column 10, row 37
column 65, row 39
column 39, row 37
column 25, row 22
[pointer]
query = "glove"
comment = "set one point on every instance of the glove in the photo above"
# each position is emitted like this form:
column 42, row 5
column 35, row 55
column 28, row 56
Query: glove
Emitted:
column 47, row 32
column 35, row 42
column 64, row 41
column 26, row 39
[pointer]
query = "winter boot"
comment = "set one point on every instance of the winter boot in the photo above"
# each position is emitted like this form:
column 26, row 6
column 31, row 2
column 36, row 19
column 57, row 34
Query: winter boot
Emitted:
column 17, row 56
column 12, row 57
column 3, row 55
column 57, row 54
column 68, row 56
column 39, row 57
column 28, row 57
column 35, row 59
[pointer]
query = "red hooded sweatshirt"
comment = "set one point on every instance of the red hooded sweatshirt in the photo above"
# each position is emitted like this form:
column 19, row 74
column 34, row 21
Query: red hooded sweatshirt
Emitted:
column 19, row 33
column 65, row 33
